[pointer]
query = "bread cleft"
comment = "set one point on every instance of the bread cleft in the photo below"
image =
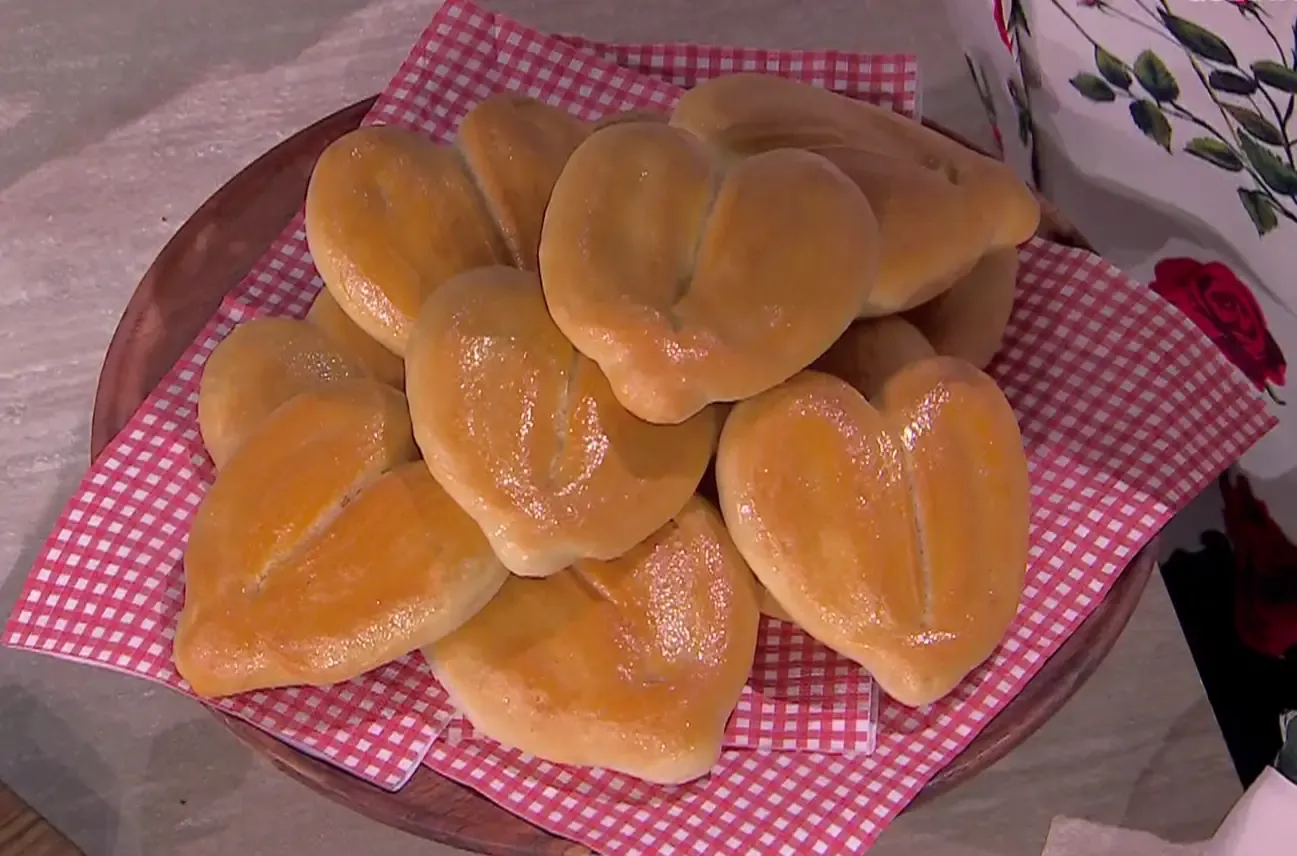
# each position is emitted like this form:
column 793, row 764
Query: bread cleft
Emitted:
column 325, row 549
column 391, row 214
column 527, row 436
column 897, row 533
column 632, row 665
column 692, row 279
column 940, row 205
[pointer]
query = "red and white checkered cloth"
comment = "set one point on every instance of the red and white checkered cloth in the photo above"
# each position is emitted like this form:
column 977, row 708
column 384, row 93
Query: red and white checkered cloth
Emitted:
column 1127, row 412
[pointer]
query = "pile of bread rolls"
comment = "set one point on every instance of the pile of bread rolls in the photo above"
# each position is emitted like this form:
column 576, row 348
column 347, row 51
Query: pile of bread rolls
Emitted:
column 493, row 438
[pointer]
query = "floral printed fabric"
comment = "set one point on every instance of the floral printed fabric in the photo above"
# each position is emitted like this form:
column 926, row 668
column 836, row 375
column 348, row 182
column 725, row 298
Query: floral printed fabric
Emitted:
column 1243, row 129
column 1226, row 310
column 1165, row 130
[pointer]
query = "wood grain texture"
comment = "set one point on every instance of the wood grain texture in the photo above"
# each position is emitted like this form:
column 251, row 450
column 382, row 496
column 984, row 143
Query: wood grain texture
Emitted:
column 209, row 255
column 23, row 832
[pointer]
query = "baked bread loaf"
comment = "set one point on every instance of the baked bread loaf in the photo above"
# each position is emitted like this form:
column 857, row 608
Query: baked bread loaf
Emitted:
column 871, row 351
column 391, row 214
column 379, row 362
column 527, row 436
column 898, row 534
column 325, row 549
column 940, row 205
column 771, row 607
column 692, row 279
column 633, row 665
column 968, row 321
column 260, row 365
column 931, row 229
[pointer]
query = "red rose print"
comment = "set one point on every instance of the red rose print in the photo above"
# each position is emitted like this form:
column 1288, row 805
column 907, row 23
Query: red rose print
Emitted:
column 1265, row 571
column 1223, row 307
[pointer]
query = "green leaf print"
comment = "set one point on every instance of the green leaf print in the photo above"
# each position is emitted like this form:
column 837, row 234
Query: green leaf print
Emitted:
column 1275, row 75
column 1198, row 39
column 1155, row 77
column 1276, row 174
column 1255, row 124
column 1025, row 128
column 1150, row 119
column 1260, row 210
column 1018, row 17
column 1231, row 82
column 1111, row 69
column 1214, row 152
column 1093, row 87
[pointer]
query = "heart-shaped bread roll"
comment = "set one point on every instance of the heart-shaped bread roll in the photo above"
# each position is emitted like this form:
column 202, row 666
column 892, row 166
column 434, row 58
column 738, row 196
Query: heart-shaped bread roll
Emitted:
column 932, row 231
column 968, row 320
column 633, row 665
column 866, row 356
column 936, row 221
column 325, row 549
column 378, row 361
column 751, row 112
column 692, row 279
column 527, row 436
column 391, row 214
column 893, row 530
column 260, row 365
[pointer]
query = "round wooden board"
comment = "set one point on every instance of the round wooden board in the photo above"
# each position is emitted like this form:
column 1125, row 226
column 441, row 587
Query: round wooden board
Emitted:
column 208, row 257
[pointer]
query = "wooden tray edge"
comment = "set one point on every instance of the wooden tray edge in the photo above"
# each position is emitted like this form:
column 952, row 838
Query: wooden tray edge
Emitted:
column 111, row 413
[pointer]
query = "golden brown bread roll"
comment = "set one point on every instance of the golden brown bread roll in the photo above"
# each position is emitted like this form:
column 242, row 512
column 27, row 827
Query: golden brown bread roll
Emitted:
column 771, row 607
column 965, row 206
column 325, row 549
column 750, row 112
column 390, row 214
column 378, row 361
column 633, row 665
column 931, row 230
column 871, row 351
column 690, row 280
column 898, row 533
column 968, row 321
column 515, row 147
column 260, row 365
column 526, row 434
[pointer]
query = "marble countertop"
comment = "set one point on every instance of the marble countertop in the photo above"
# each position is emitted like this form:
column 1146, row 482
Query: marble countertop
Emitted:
column 117, row 119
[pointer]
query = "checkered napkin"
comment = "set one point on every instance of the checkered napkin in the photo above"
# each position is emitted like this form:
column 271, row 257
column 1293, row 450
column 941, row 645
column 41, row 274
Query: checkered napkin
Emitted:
column 108, row 585
column 1126, row 409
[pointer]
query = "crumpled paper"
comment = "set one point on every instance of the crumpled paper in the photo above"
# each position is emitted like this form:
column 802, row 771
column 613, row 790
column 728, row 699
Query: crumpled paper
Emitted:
column 1262, row 823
